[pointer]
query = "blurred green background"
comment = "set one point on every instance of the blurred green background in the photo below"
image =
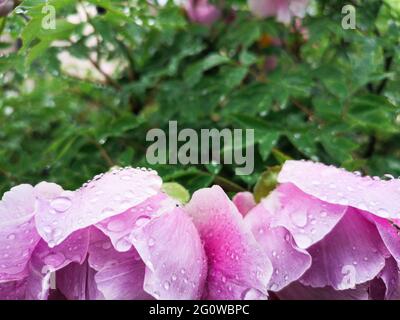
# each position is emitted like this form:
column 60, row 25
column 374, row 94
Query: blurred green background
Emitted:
column 79, row 99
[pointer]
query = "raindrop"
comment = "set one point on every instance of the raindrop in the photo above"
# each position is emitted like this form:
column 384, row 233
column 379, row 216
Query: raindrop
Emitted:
column 140, row 221
column 11, row 236
column 61, row 204
column 106, row 245
column 116, row 225
column 166, row 285
column 151, row 242
column 299, row 218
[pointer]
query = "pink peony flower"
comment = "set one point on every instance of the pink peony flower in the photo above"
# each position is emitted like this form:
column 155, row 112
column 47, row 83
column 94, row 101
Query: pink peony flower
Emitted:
column 283, row 10
column 330, row 234
column 121, row 237
column 117, row 237
column 201, row 11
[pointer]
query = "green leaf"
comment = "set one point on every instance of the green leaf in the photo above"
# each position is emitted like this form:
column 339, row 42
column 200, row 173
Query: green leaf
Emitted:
column 266, row 183
column 176, row 191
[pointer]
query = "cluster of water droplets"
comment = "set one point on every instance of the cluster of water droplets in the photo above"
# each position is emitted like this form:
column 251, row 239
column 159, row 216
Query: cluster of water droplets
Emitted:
column 18, row 247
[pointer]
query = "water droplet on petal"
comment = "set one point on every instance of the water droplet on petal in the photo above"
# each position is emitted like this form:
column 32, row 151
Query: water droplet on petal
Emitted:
column 116, row 225
column 151, row 242
column 166, row 285
column 106, row 245
column 61, row 204
column 140, row 221
column 299, row 218
column 11, row 236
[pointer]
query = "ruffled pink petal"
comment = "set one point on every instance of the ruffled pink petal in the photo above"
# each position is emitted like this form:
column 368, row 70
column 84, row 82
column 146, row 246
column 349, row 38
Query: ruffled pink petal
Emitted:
column 352, row 253
column 238, row 267
column 390, row 236
column 391, row 278
column 297, row 291
column 288, row 261
column 13, row 290
column 244, row 201
column 172, row 251
column 105, row 196
column 77, row 282
column 118, row 228
column 45, row 261
column 18, row 236
column 307, row 218
column 338, row 186
column 119, row 275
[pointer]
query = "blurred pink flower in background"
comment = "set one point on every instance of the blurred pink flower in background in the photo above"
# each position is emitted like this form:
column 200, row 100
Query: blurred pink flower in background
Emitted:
column 283, row 10
column 201, row 11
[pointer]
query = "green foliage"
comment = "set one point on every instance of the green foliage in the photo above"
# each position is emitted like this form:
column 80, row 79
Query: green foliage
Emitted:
column 333, row 97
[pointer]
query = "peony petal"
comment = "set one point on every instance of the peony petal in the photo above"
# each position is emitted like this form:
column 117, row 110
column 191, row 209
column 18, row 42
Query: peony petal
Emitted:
column 338, row 186
column 391, row 278
column 289, row 262
column 244, row 201
column 45, row 261
column 77, row 282
column 13, row 290
column 307, row 218
column 171, row 248
column 118, row 228
column 238, row 269
column 390, row 236
column 18, row 236
column 297, row 291
column 352, row 253
column 105, row 196
column 120, row 275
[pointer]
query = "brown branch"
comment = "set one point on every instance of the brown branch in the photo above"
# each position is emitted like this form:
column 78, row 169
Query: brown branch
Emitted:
column 103, row 152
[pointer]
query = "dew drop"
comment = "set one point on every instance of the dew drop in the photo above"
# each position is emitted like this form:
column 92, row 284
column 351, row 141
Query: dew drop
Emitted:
column 299, row 218
column 106, row 245
column 116, row 225
column 11, row 236
column 151, row 242
column 166, row 285
column 140, row 221
column 61, row 204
